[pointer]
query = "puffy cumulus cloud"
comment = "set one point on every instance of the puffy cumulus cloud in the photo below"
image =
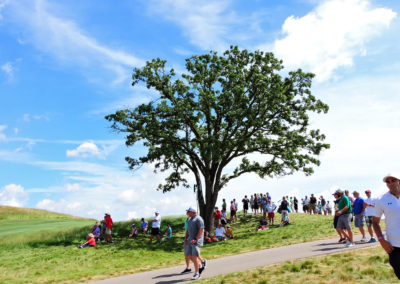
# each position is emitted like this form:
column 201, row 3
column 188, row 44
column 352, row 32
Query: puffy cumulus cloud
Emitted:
column 62, row 206
column 13, row 195
column 330, row 36
column 85, row 150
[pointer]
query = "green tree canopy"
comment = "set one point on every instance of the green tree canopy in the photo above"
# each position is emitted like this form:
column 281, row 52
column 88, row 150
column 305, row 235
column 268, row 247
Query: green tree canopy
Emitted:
column 234, row 107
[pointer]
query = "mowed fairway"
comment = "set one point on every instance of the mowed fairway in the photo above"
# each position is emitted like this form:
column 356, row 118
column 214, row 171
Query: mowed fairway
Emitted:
column 20, row 226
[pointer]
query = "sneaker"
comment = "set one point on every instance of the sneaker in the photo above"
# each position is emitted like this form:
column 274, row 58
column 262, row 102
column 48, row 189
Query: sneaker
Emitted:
column 372, row 240
column 350, row 245
column 341, row 240
column 348, row 242
column 364, row 240
column 201, row 269
column 196, row 276
column 187, row 270
column 204, row 262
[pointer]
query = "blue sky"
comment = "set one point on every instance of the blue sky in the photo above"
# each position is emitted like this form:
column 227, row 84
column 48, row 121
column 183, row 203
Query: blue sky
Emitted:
column 64, row 65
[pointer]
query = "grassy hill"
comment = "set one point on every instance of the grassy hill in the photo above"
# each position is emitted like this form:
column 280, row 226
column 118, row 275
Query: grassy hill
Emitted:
column 21, row 226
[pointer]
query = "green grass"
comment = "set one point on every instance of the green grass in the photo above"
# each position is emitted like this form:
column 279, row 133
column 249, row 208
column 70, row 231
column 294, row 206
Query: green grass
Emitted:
column 360, row 266
column 19, row 226
column 56, row 258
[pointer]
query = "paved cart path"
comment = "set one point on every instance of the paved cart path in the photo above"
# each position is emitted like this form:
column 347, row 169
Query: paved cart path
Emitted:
column 240, row 262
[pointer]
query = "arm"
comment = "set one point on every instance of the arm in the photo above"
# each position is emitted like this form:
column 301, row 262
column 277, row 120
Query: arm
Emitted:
column 377, row 228
column 198, row 236
column 339, row 212
column 363, row 209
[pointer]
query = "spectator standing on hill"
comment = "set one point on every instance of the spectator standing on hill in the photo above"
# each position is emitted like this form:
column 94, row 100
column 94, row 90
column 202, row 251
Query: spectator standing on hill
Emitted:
column 306, row 205
column 233, row 211
column 323, row 204
column 389, row 205
column 271, row 207
column 344, row 220
column 246, row 202
column 358, row 210
column 328, row 208
column 236, row 206
column 252, row 203
column 313, row 204
column 216, row 217
column 109, row 225
column 369, row 213
column 223, row 204
column 268, row 196
column 284, row 210
column 155, row 227
column 194, row 240
column 256, row 204
column 264, row 206
column 296, row 204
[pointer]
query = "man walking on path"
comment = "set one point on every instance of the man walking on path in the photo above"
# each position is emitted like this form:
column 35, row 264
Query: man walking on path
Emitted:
column 344, row 213
column 359, row 208
column 389, row 205
column 194, row 240
column 369, row 213
column 155, row 227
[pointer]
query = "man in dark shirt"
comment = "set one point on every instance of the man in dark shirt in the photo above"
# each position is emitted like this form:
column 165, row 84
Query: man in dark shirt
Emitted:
column 245, row 201
column 313, row 204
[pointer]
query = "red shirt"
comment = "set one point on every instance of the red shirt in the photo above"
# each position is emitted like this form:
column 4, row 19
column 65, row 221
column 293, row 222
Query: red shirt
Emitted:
column 109, row 222
column 217, row 215
column 92, row 242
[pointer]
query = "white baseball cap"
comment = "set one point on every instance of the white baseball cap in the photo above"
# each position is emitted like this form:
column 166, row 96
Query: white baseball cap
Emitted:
column 395, row 175
column 190, row 209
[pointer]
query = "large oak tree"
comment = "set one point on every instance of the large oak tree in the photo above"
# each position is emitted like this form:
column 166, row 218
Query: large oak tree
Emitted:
column 236, row 108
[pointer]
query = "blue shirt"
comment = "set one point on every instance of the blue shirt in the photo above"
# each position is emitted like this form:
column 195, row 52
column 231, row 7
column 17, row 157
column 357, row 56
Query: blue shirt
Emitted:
column 358, row 205
column 144, row 224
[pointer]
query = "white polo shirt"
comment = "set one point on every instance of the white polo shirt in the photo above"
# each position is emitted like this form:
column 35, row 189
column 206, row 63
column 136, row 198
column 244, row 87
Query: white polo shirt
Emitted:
column 156, row 222
column 369, row 210
column 389, row 205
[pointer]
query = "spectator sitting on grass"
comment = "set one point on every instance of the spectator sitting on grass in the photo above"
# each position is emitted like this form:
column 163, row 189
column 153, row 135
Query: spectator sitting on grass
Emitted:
column 220, row 233
column 262, row 225
column 134, row 231
column 90, row 242
column 207, row 238
column 96, row 231
column 168, row 232
column 143, row 227
column 229, row 232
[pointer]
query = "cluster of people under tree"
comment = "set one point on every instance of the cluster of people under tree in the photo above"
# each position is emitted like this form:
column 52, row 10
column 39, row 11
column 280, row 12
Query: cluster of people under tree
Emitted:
column 313, row 206
column 346, row 209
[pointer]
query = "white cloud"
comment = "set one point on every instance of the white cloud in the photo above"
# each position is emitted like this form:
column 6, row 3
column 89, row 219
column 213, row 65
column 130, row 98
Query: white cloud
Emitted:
column 2, row 135
column 13, row 195
column 8, row 69
column 65, row 40
column 3, row 4
column 60, row 206
column 331, row 35
column 206, row 24
column 29, row 117
column 85, row 150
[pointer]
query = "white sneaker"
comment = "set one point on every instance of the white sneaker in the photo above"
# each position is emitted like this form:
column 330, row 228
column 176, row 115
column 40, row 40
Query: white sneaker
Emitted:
column 364, row 240
column 348, row 242
column 196, row 276
column 350, row 245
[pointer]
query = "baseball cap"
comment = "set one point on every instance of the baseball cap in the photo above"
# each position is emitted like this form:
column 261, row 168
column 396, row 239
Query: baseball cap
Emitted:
column 368, row 191
column 157, row 212
column 107, row 214
column 338, row 191
column 190, row 209
column 396, row 176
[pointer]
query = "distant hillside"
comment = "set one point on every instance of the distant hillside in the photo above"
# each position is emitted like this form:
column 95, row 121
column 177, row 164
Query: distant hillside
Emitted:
column 9, row 213
column 20, row 226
